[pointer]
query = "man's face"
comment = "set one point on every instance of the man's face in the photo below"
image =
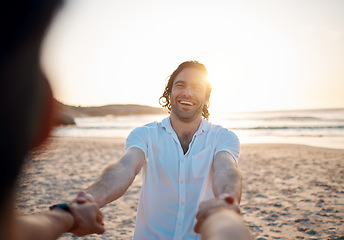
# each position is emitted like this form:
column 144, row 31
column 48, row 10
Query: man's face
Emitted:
column 188, row 94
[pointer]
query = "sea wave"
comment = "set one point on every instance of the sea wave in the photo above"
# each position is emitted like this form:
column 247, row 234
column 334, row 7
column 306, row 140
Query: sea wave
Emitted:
column 285, row 118
column 318, row 127
column 288, row 127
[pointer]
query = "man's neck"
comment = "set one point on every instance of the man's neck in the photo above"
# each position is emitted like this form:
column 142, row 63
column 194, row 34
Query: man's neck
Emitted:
column 185, row 127
column 185, row 130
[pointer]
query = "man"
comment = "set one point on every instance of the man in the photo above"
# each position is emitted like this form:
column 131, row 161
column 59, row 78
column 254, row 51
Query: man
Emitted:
column 27, row 107
column 185, row 160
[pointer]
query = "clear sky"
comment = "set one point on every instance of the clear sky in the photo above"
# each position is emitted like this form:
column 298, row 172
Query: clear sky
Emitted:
column 260, row 55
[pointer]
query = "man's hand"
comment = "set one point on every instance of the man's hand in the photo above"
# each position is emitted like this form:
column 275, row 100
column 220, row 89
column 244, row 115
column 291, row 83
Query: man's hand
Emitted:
column 206, row 208
column 87, row 216
column 83, row 197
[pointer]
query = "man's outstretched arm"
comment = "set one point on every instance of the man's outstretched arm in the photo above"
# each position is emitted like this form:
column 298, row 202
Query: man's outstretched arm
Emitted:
column 227, row 177
column 116, row 178
column 218, row 218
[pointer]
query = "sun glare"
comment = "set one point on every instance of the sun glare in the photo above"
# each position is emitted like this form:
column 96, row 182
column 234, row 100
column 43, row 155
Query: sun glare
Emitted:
column 256, row 59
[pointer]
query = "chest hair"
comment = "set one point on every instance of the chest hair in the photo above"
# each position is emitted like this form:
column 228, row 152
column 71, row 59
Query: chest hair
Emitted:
column 185, row 140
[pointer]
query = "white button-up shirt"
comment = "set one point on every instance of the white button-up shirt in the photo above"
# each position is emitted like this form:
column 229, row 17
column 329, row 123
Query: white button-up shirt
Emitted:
column 175, row 183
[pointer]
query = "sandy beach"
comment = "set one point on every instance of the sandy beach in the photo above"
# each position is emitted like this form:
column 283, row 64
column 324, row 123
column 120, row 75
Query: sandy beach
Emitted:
column 289, row 192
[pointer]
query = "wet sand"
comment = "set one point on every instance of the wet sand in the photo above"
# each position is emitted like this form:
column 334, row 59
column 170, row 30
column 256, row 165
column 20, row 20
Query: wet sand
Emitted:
column 289, row 192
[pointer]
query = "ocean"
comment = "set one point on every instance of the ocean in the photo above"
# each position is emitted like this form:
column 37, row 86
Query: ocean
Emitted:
column 320, row 127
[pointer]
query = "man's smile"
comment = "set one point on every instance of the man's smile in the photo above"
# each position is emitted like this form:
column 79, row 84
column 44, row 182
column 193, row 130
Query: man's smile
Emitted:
column 186, row 102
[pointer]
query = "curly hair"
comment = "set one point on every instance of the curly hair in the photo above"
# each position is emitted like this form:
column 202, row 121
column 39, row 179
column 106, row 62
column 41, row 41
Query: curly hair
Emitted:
column 164, row 100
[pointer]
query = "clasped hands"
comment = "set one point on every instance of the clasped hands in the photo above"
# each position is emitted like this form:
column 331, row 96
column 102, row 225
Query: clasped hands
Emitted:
column 207, row 208
column 87, row 217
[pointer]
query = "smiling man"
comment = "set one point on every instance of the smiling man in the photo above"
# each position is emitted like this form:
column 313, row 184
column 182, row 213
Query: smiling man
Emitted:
column 185, row 161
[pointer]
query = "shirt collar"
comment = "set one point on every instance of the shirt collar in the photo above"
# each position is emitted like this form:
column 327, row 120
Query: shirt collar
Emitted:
column 204, row 126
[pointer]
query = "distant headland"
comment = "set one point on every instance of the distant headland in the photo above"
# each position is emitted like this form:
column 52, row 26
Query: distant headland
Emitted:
column 65, row 114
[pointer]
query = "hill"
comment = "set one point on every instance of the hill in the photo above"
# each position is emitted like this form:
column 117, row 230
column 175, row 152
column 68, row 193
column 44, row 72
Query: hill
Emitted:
column 66, row 113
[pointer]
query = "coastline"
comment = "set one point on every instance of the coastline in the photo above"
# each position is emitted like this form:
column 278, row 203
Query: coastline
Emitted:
column 290, row 191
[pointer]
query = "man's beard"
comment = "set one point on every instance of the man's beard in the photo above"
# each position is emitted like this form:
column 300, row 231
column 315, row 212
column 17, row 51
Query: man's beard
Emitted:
column 186, row 116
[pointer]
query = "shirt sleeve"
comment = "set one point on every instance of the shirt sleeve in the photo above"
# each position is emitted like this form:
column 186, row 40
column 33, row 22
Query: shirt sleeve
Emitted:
column 137, row 138
column 229, row 142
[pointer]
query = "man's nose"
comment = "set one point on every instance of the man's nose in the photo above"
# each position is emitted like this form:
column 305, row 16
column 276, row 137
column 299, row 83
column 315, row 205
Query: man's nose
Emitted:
column 188, row 91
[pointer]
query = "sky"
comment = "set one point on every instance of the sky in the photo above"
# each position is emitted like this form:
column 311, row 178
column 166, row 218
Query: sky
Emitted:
column 260, row 55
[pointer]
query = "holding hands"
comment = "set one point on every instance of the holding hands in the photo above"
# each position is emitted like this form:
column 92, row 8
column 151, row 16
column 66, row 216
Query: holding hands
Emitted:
column 87, row 217
column 206, row 208
column 80, row 218
column 219, row 219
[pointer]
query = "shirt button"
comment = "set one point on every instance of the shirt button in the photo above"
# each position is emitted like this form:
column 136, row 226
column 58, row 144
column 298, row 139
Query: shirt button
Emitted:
column 182, row 203
column 181, row 181
column 179, row 223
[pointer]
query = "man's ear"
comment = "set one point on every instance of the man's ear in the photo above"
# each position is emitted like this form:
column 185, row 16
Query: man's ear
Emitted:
column 46, row 119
